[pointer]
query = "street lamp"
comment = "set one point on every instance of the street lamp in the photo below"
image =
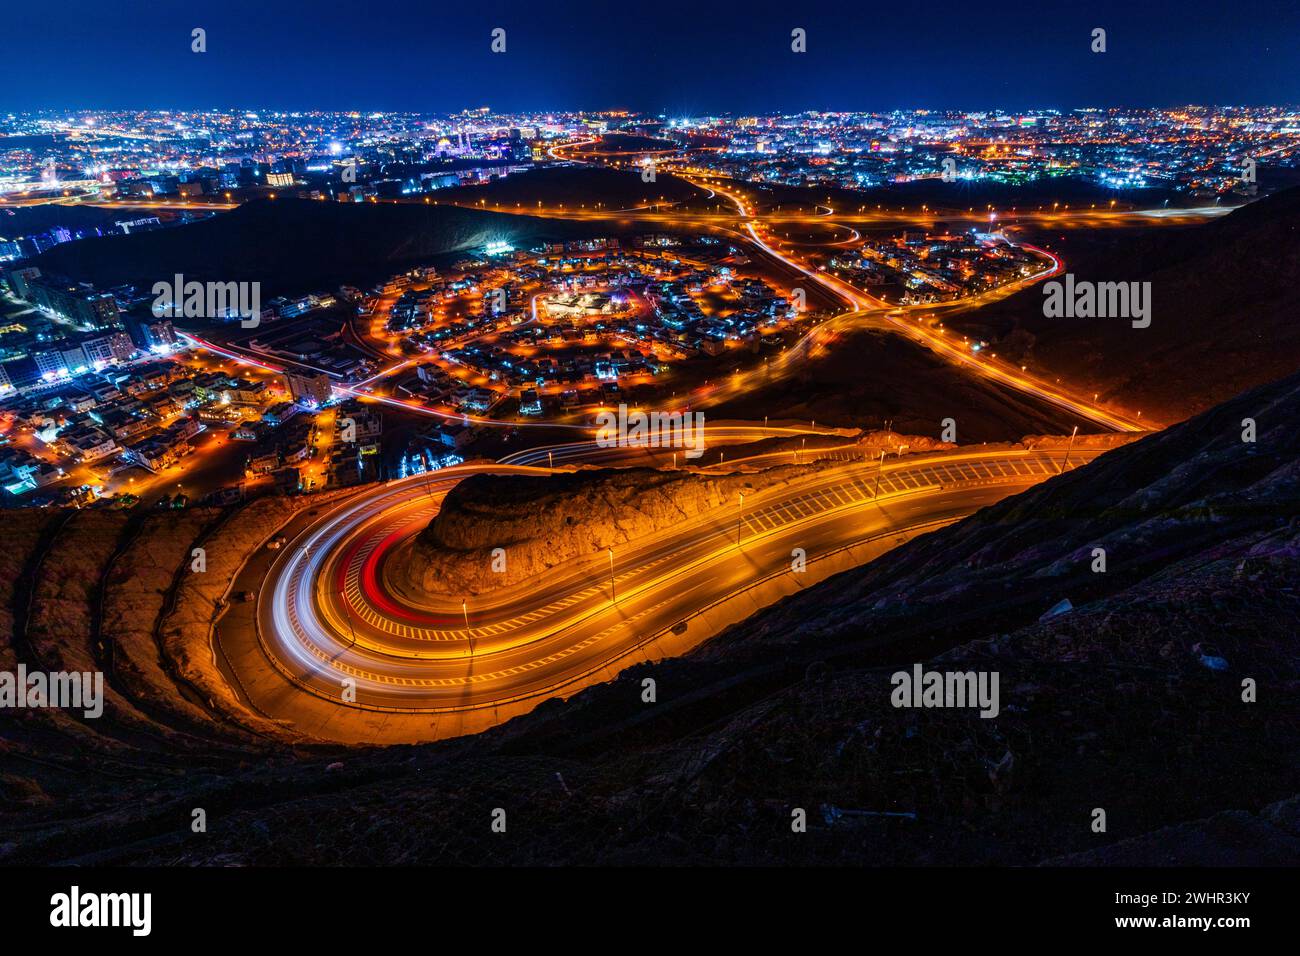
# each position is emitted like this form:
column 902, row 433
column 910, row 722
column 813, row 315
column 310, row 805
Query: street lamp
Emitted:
column 613, row 595
column 740, row 517
column 1068, row 448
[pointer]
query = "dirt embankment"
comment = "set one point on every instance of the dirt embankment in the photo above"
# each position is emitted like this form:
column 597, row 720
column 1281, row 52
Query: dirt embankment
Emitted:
column 545, row 521
column 541, row 522
column 140, row 583
column 199, row 599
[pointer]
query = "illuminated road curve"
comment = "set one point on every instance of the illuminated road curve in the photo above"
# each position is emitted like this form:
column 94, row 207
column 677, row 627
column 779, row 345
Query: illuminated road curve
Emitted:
column 867, row 308
column 326, row 613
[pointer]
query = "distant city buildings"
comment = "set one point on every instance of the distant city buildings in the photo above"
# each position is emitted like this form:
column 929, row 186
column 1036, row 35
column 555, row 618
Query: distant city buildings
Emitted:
column 90, row 378
column 1200, row 151
column 194, row 157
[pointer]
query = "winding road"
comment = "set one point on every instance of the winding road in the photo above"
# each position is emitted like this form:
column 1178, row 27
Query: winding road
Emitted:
column 330, row 623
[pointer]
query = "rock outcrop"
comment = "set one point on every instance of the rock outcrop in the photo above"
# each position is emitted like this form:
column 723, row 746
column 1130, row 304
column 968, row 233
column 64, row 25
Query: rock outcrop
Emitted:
column 545, row 521
column 542, row 522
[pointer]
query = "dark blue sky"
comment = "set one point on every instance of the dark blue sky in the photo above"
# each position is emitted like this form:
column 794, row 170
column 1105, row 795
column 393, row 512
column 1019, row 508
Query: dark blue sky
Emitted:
column 665, row 55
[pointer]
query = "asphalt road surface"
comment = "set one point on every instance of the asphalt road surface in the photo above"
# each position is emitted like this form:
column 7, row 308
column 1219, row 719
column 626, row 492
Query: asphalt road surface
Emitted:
column 326, row 614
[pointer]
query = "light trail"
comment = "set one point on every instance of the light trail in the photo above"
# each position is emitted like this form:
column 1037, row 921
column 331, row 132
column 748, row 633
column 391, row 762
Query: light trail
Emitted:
column 327, row 611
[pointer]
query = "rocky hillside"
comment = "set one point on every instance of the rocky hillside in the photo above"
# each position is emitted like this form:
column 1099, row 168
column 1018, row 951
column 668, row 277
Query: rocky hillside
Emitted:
column 546, row 521
column 543, row 522
column 870, row 377
column 1223, row 304
column 1163, row 690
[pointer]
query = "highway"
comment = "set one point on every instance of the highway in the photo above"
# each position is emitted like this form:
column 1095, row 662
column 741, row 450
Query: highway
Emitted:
column 327, row 612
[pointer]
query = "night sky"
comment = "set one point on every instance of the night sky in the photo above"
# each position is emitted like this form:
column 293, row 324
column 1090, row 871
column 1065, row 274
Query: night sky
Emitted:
column 679, row 58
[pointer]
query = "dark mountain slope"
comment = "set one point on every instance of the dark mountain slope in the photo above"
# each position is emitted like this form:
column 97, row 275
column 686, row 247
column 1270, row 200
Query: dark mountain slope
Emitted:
column 295, row 245
column 1224, row 299
column 1130, row 702
column 574, row 187
column 28, row 220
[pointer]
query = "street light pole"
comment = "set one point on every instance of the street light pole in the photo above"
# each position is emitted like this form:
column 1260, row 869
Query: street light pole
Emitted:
column 613, row 595
column 464, row 609
column 876, row 493
column 1069, row 447
column 740, row 518
column 428, row 469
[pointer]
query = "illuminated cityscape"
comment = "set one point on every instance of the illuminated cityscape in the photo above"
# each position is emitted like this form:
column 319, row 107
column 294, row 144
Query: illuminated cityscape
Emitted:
column 691, row 457
column 576, row 319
